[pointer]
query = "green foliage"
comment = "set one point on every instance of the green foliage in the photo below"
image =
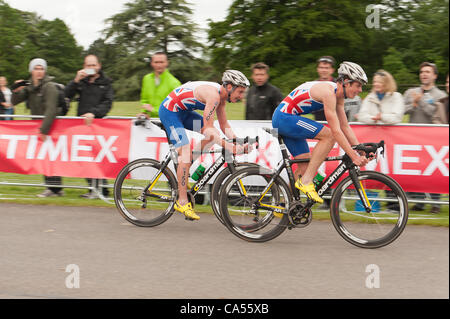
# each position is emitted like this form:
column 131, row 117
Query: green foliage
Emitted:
column 419, row 30
column 143, row 28
column 290, row 35
column 25, row 35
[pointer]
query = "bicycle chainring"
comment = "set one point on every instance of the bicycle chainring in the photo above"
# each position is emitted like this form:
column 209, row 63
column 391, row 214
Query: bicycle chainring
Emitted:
column 299, row 215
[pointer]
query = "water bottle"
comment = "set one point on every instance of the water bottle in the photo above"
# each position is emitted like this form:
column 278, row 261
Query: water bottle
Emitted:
column 318, row 179
column 198, row 173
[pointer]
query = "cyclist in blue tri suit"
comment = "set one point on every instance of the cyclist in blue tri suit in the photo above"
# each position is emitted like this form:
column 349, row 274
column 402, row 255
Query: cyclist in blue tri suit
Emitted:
column 295, row 128
column 177, row 114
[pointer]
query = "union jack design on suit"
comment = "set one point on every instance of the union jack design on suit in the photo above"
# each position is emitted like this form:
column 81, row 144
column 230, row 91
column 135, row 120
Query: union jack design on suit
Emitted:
column 294, row 102
column 180, row 100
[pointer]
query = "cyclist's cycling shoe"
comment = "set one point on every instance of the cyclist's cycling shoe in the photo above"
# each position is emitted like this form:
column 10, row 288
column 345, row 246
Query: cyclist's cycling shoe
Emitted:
column 187, row 210
column 309, row 190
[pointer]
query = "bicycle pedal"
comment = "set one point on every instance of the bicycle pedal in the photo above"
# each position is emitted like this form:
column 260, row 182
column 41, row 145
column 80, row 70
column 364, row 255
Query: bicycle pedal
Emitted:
column 189, row 219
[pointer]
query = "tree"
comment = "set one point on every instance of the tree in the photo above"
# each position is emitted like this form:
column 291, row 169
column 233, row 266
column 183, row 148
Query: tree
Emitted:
column 154, row 25
column 290, row 35
column 143, row 28
column 419, row 30
column 25, row 35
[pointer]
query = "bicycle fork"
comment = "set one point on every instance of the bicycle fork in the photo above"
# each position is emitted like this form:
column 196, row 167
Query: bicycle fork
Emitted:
column 353, row 172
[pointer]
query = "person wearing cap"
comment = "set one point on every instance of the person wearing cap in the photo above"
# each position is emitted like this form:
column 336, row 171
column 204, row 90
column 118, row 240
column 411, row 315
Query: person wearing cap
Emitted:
column 41, row 95
column 295, row 128
column 177, row 114
column 421, row 103
column 157, row 85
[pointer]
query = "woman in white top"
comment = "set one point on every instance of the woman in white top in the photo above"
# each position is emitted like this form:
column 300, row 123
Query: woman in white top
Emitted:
column 383, row 105
column 5, row 99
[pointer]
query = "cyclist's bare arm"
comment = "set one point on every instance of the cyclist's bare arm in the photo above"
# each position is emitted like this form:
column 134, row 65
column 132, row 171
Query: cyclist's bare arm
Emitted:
column 211, row 98
column 223, row 122
column 324, row 93
column 345, row 127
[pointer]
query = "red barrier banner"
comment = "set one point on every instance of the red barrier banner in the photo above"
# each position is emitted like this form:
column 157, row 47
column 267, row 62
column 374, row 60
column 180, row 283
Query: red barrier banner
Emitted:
column 417, row 157
column 72, row 149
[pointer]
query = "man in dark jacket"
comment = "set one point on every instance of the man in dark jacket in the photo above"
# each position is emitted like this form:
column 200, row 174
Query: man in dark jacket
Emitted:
column 95, row 100
column 41, row 97
column 262, row 98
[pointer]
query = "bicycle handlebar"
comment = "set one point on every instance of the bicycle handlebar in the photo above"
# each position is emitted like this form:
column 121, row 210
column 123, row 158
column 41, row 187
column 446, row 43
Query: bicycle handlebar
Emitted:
column 370, row 148
column 247, row 140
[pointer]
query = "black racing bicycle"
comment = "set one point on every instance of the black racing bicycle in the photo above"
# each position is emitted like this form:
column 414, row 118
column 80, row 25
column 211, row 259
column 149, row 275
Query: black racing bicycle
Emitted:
column 368, row 209
column 146, row 190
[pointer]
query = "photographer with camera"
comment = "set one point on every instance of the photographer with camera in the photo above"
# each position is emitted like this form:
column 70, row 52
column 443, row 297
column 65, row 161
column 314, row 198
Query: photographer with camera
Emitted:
column 42, row 98
column 95, row 97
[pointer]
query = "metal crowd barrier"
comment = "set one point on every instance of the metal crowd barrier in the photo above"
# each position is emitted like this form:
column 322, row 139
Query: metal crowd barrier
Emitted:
column 96, row 188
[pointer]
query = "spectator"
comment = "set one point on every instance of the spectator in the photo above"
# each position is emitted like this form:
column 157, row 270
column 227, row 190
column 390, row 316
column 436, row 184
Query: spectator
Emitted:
column 352, row 108
column 6, row 106
column 421, row 104
column 442, row 113
column 41, row 97
column 325, row 70
column 384, row 104
column 262, row 98
column 157, row 85
column 95, row 100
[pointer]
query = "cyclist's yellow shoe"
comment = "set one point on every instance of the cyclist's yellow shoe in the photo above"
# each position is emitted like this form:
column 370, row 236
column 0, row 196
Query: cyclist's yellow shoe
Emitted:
column 309, row 190
column 187, row 210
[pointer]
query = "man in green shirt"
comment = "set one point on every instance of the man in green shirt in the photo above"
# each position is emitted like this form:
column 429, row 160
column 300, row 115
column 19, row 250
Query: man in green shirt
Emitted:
column 157, row 85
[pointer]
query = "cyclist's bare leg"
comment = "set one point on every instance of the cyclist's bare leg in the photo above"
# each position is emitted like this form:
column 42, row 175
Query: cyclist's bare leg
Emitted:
column 204, row 146
column 301, row 167
column 321, row 150
column 184, row 164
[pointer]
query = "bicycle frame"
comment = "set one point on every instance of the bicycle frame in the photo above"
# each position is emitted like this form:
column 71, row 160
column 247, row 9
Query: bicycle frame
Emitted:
column 225, row 157
column 286, row 163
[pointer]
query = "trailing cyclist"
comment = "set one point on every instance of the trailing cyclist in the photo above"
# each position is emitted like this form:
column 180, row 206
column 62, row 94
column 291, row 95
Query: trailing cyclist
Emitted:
column 295, row 129
column 177, row 114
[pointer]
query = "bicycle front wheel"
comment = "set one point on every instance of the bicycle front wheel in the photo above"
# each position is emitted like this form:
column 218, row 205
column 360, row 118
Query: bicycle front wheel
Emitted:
column 253, row 207
column 144, row 194
column 387, row 216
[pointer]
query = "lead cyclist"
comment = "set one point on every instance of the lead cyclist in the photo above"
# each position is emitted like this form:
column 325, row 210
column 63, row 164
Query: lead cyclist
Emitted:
column 295, row 128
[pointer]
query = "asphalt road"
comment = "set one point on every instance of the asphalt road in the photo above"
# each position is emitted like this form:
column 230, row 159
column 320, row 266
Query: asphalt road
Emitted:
column 182, row 259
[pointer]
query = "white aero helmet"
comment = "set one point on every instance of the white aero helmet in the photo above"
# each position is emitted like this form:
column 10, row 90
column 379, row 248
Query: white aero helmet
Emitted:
column 353, row 71
column 237, row 78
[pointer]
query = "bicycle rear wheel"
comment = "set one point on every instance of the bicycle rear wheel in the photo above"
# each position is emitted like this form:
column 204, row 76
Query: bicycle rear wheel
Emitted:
column 145, row 209
column 249, row 213
column 217, row 185
column 387, row 218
